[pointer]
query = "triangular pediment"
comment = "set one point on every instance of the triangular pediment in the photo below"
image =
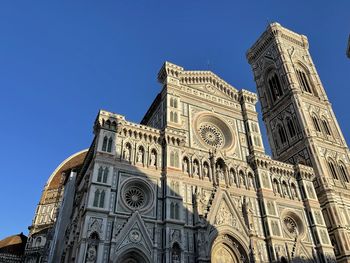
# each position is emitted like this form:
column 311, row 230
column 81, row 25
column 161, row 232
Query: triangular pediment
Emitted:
column 135, row 233
column 225, row 214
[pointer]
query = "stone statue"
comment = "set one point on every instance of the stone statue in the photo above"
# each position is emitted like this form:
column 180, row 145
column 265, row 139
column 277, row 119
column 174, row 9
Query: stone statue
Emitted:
column 185, row 164
column 195, row 168
column 140, row 156
column 126, row 153
column 153, row 161
column 91, row 254
column 205, row 170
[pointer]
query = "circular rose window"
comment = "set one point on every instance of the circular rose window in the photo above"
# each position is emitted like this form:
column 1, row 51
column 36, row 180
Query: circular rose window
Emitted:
column 213, row 132
column 135, row 197
column 211, row 135
column 293, row 224
column 290, row 225
column 136, row 194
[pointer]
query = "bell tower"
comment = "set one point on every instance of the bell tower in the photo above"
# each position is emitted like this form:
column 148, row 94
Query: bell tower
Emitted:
column 301, row 124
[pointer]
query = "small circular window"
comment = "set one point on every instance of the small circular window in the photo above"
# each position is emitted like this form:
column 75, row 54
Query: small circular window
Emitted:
column 290, row 225
column 293, row 224
column 136, row 194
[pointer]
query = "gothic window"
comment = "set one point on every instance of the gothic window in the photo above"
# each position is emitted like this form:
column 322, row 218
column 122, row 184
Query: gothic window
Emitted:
column 291, row 128
column 96, row 198
column 177, row 211
column 114, row 125
column 275, row 87
column 108, row 124
column 99, row 174
column 105, row 175
column 303, row 80
column 172, row 210
column 109, row 146
column 332, row 169
column 37, row 242
column 99, row 198
column 316, row 123
column 281, row 134
column 104, row 144
column 326, row 127
column 343, row 172
column 173, row 103
column 102, row 198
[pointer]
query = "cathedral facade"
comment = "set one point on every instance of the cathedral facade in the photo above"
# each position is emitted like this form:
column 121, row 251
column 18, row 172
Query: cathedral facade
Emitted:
column 192, row 181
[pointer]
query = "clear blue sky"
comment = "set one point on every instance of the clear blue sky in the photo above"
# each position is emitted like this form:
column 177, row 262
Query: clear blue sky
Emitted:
column 62, row 61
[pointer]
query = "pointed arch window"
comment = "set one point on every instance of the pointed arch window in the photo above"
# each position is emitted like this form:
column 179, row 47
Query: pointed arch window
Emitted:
column 110, row 143
column 172, row 210
column 275, row 87
column 105, row 175
column 332, row 169
column 102, row 199
column 316, row 123
column 326, row 127
column 291, row 128
column 104, row 144
column 303, row 80
column 282, row 134
column 99, row 174
column 343, row 172
column 96, row 198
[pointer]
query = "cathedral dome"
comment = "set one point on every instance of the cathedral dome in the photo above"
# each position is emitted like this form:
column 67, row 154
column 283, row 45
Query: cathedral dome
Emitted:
column 71, row 162
column 13, row 244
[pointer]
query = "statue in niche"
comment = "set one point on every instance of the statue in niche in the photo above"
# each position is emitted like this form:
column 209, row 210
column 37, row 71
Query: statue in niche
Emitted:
column 265, row 180
column 205, row 170
column 91, row 254
column 248, row 213
column 285, row 189
column 202, row 243
column 140, row 156
column 175, row 257
column 220, row 173
column 195, row 168
column 310, row 191
column 126, row 153
column 185, row 165
column 294, row 191
column 153, row 159
column 201, row 201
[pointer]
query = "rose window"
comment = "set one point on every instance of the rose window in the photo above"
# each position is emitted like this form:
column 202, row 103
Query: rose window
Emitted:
column 211, row 135
column 134, row 197
column 136, row 194
column 290, row 225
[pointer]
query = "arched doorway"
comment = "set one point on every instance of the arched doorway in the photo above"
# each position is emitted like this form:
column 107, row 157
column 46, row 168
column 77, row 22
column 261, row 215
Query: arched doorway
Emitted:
column 132, row 257
column 226, row 249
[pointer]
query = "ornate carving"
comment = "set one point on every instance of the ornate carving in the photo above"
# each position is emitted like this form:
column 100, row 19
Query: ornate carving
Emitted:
column 95, row 225
column 135, row 236
column 224, row 216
